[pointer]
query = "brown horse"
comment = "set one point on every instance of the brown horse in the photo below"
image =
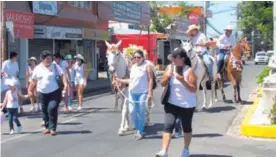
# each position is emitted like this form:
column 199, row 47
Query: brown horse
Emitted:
column 235, row 67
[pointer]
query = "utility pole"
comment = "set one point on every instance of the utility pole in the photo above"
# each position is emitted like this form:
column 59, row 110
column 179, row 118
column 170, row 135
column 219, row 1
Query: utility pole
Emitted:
column 3, row 33
column 206, row 6
column 253, row 44
column 274, row 26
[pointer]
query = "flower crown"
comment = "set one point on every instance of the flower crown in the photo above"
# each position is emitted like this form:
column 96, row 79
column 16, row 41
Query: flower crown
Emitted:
column 129, row 51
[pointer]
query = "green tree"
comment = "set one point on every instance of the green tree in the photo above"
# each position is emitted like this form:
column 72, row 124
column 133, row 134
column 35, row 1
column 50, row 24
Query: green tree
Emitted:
column 159, row 21
column 257, row 16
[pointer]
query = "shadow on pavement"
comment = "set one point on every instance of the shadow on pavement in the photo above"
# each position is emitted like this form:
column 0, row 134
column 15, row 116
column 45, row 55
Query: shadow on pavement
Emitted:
column 208, row 155
column 152, row 131
column 74, row 132
column 220, row 109
column 207, row 135
column 246, row 102
column 70, row 123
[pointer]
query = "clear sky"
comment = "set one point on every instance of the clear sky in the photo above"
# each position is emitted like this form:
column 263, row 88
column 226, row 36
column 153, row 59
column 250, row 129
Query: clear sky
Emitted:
column 220, row 20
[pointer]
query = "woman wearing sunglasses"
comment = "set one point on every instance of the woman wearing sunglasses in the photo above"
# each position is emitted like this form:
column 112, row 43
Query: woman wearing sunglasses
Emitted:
column 140, row 91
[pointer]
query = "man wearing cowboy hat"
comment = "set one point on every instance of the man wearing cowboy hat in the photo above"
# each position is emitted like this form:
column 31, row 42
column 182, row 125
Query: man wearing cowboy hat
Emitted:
column 200, row 43
column 224, row 43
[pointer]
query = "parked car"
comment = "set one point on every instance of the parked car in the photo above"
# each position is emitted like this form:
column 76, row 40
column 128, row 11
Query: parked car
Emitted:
column 261, row 57
column 270, row 53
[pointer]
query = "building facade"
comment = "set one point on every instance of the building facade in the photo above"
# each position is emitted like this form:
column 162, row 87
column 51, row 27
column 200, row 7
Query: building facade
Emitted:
column 66, row 27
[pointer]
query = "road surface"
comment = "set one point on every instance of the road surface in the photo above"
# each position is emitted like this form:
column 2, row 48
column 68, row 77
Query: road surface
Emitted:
column 93, row 132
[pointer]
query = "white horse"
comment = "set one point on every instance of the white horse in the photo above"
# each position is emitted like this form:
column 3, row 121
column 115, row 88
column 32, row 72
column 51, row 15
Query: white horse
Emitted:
column 201, row 73
column 118, row 67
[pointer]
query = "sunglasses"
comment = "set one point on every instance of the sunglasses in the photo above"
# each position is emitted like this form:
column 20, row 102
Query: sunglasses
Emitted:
column 137, row 57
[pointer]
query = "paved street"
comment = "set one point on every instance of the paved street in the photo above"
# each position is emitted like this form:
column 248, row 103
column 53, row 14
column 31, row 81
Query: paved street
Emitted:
column 93, row 132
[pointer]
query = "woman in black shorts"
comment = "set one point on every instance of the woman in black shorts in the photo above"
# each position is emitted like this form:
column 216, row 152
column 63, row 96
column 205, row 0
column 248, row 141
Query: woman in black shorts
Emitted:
column 182, row 100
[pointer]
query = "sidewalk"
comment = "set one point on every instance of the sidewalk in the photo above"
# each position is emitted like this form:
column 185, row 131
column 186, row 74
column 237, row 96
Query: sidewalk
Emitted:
column 92, row 86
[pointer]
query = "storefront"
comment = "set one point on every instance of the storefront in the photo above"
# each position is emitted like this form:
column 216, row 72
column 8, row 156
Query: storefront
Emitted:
column 55, row 39
column 20, row 27
column 91, row 50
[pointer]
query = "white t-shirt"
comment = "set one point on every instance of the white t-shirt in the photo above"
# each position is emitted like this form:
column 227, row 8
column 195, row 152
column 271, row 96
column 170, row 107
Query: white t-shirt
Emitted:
column 11, row 68
column 200, row 38
column 46, row 77
column 12, row 99
column 179, row 95
column 139, row 79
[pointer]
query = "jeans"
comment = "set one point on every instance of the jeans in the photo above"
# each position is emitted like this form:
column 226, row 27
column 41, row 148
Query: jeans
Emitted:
column 13, row 116
column 208, row 62
column 49, row 103
column 220, row 61
column 137, row 110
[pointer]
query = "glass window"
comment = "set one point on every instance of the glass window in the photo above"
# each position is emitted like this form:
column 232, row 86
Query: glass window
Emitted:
column 81, row 4
column 261, row 54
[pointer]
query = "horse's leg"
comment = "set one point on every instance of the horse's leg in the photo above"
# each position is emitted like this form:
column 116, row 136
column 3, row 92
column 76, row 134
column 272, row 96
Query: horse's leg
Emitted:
column 213, row 88
column 204, row 90
column 235, row 93
column 116, row 100
column 239, row 92
column 126, row 104
column 222, row 88
column 124, row 115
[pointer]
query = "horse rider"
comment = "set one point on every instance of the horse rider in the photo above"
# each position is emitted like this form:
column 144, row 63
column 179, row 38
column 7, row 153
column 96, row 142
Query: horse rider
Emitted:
column 200, row 43
column 224, row 43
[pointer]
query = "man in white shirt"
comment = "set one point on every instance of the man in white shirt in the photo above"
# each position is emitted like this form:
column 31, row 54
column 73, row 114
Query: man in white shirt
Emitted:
column 224, row 43
column 200, row 43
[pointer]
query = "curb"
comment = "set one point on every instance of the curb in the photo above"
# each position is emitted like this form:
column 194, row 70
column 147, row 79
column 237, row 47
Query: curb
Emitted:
column 263, row 131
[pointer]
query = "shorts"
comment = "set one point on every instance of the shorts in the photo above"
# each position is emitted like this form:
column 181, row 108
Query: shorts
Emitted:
column 79, row 81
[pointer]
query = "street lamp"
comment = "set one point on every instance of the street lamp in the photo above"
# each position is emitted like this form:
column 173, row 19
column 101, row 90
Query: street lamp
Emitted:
column 252, row 40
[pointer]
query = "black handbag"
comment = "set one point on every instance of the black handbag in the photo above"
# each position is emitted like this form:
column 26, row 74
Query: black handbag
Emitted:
column 166, row 91
column 58, row 78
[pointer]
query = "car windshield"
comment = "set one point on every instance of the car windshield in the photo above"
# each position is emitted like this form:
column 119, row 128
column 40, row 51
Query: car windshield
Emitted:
column 260, row 54
column 269, row 54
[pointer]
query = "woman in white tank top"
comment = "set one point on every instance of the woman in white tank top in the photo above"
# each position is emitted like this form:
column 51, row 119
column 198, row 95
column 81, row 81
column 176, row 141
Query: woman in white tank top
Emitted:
column 182, row 99
column 140, row 90
column 29, row 73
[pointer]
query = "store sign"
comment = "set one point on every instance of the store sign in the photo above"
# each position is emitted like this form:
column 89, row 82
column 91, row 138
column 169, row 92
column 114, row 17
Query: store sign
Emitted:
column 62, row 33
column 194, row 18
column 23, row 23
column 127, row 11
column 45, row 7
column 95, row 34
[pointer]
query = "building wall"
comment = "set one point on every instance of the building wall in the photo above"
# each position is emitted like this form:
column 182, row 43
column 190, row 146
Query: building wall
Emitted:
column 68, row 15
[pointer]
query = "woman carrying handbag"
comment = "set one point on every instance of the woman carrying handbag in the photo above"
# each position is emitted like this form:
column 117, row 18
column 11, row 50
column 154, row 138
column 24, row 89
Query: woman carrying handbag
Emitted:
column 179, row 99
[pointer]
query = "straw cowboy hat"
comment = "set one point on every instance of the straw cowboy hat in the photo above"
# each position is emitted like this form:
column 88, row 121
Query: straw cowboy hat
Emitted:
column 32, row 58
column 228, row 28
column 192, row 27
column 79, row 56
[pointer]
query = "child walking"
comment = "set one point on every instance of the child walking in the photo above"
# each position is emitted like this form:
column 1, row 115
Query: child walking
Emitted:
column 12, row 105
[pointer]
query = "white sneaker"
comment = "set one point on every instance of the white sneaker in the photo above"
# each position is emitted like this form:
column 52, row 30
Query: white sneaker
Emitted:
column 11, row 132
column 161, row 154
column 70, row 108
column 32, row 108
column 19, row 130
column 185, row 153
column 79, row 108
